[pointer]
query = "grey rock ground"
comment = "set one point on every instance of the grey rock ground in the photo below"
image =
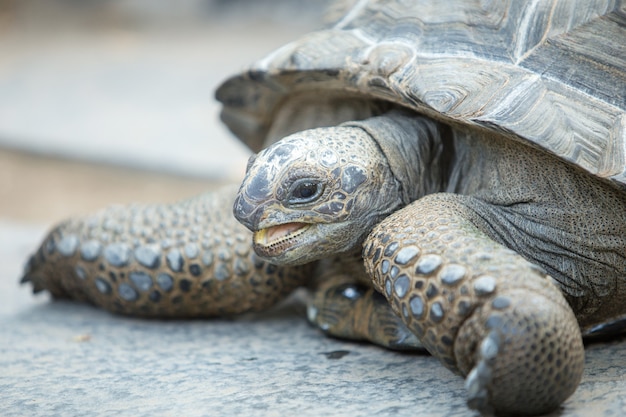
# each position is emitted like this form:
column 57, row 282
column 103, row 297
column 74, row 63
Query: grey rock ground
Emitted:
column 141, row 98
column 65, row 359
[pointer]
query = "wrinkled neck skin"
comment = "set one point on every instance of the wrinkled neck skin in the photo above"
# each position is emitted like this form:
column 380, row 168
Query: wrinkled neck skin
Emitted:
column 414, row 148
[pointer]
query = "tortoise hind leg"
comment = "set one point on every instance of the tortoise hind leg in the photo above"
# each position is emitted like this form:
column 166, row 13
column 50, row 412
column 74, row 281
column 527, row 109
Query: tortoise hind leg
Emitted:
column 343, row 307
column 478, row 306
column 187, row 259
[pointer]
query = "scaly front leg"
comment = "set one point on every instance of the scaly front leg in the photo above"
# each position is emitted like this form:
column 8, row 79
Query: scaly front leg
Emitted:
column 478, row 306
column 189, row 259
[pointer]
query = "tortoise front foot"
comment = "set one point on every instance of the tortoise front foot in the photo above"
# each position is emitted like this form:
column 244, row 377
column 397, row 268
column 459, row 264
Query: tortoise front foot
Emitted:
column 523, row 350
column 483, row 310
column 346, row 309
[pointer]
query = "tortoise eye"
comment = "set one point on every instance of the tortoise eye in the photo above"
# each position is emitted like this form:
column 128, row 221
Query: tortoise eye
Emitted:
column 304, row 191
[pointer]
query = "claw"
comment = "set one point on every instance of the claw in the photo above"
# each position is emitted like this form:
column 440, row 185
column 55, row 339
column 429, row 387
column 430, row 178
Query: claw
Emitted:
column 480, row 377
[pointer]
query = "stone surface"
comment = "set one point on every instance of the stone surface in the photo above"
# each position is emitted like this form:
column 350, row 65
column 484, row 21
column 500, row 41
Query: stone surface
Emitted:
column 61, row 358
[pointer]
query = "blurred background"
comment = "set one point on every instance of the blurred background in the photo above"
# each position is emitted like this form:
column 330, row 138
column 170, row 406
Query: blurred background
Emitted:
column 111, row 101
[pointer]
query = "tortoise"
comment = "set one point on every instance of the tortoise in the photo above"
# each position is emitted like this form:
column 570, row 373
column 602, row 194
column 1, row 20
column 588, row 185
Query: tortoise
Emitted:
column 450, row 177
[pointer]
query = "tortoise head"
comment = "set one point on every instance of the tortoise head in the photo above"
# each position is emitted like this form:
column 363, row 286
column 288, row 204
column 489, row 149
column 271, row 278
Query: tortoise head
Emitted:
column 316, row 193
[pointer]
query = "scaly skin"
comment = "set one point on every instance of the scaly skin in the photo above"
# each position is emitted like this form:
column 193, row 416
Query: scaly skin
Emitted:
column 192, row 259
column 189, row 259
column 483, row 310
column 446, row 262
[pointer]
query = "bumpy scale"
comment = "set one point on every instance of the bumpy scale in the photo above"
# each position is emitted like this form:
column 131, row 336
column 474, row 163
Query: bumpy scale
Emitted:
column 459, row 230
column 189, row 259
column 483, row 310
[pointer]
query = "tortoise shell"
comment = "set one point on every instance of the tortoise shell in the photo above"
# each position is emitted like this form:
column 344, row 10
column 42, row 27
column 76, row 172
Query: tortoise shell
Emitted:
column 550, row 73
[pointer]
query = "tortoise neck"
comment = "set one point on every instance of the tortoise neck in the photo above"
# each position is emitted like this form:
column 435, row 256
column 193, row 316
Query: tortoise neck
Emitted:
column 414, row 148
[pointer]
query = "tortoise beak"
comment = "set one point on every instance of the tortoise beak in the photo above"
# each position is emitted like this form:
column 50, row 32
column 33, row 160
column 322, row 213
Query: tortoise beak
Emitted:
column 277, row 239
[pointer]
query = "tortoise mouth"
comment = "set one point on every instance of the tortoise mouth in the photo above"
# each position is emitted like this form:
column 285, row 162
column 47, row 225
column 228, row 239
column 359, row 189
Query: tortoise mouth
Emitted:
column 275, row 240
